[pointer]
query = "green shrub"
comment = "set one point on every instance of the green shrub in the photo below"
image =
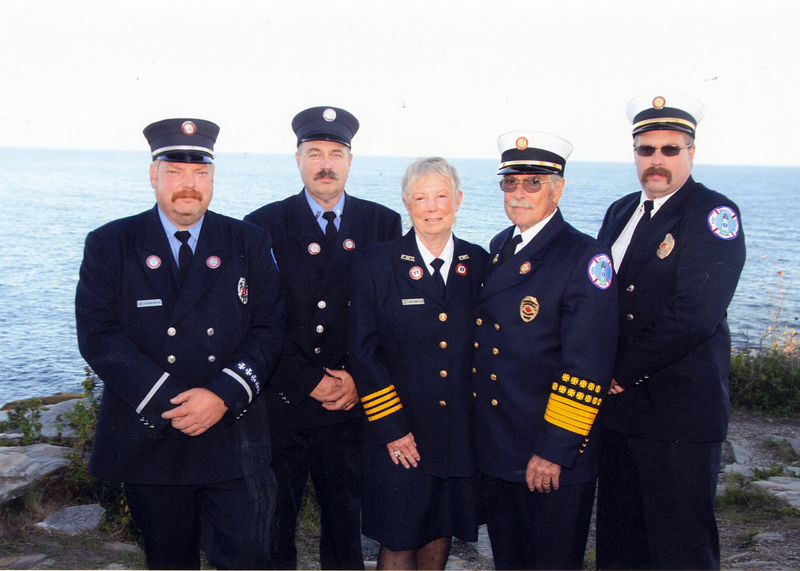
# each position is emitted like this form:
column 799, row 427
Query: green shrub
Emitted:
column 25, row 417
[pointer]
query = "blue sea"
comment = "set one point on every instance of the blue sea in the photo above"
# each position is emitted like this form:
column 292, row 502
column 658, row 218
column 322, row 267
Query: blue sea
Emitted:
column 54, row 197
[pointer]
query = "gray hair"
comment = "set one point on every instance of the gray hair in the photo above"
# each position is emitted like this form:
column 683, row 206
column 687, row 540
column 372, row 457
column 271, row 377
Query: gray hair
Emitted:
column 427, row 166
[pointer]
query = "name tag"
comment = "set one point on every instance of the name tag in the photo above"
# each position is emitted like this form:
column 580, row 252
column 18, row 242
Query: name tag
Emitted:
column 414, row 301
column 148, row 303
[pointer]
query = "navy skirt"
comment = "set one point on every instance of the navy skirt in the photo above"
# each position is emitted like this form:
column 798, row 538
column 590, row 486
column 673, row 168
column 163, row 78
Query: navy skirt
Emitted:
column 407, row 509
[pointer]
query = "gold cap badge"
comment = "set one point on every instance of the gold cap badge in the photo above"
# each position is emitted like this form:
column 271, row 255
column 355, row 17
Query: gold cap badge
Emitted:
column 659, row 102
column 522, row 143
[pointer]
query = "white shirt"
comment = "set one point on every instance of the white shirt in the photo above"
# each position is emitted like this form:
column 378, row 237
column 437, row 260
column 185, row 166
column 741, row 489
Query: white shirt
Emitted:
column 623, row 241
column 446, row 256
column 529, row 234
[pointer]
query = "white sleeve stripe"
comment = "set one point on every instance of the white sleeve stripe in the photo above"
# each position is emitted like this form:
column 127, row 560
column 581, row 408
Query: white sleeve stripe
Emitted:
column 153, row 391
column 241, row 381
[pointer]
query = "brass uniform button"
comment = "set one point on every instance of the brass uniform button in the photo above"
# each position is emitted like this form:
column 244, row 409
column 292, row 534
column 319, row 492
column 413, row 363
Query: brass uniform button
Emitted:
column 443, row 344
column 442, row 403
column 495, row 351
column 443, row 374
column 171, row 331
column 494, row 402
column 479, row 321
column 442, row 317
column 493, row 377
column 497, row 326
column 474, row 370
column 476, row 344
column 474, row 394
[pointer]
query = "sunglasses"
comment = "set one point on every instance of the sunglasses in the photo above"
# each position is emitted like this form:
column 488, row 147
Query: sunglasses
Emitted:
column 528, row 184
column 666, row 150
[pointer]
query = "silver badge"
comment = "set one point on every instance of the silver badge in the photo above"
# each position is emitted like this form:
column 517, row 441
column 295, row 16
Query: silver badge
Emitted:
column 243, row 291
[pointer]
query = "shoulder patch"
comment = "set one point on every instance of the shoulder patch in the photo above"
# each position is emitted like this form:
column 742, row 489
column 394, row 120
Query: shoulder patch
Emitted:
column 724, row 222
column 600, row 271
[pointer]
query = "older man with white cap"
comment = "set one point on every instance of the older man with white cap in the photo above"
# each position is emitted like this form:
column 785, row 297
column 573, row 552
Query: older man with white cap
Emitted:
column 679, row 250
column 544, row 352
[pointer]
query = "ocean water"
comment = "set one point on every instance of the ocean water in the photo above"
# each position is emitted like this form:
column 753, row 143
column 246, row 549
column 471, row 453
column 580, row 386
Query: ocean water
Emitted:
column 53, row 198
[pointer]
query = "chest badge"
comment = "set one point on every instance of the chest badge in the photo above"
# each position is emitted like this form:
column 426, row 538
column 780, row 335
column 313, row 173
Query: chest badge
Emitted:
column 461, row 270
column 243, row 290
column 314, row 248
column 600, row 271
column 153, row 262
column 349, row 245
column 529, row 308
column 415, row 273
column 525, row 268
column 213, row 262
column 666, row 246
column 496, row 257
column 724, row 223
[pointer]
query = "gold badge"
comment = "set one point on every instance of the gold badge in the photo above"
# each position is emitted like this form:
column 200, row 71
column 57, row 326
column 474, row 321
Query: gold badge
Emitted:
column 666, row 246
column 525, row 268
column 528, row 309
column 659, row 102
column 522, row 143
column 496, row 257
column 188, row 128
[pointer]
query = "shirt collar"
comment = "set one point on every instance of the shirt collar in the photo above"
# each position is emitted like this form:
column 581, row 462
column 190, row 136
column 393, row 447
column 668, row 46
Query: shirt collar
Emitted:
column 529, row 234
column 446, row 255
column 170, row 228
column 317, row 209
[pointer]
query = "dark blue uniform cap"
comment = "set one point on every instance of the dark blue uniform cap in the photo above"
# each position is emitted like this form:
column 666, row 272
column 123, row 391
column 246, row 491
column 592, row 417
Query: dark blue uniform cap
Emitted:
column 182, row 140
column 664, row 111
column 325, row 124
column 532, row 152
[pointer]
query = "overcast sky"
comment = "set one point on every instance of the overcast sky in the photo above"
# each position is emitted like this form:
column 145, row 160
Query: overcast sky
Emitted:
column 423, row 77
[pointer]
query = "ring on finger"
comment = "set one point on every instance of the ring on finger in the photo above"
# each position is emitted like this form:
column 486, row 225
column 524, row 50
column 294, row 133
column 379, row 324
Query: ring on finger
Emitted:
column 398, row 454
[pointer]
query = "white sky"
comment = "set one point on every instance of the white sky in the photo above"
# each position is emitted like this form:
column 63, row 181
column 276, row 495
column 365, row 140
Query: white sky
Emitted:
column 423, row 77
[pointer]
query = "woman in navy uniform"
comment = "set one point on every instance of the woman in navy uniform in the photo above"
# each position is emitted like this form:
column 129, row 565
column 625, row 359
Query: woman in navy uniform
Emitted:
column 410, row 339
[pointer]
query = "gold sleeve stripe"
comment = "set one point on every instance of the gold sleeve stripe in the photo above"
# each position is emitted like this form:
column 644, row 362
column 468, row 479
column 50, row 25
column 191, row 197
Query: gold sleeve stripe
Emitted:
column 385, row 413
column 376, row 409
column 383, row 399
column 565, row 426
column 579, row 406
column 577, row 422
column 376, row 394
column 571, row 411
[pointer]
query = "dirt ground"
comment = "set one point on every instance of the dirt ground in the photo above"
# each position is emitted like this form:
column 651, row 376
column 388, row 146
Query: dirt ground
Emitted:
column 19, row 538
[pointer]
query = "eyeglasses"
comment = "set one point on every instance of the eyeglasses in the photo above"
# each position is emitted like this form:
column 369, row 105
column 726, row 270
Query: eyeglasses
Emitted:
column 528, row 184
column 666, row 150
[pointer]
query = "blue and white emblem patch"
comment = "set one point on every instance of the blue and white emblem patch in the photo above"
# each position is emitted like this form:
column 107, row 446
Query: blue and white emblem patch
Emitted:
column 724, row 223
column 600, row 271
column 243, row 291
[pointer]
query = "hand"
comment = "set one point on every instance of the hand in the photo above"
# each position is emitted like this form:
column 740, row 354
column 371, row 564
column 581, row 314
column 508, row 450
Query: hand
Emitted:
column 346, row 396
column 616, row 388
column 542, row 475
column 404, row 450
column 199, row 409
column 326, row 387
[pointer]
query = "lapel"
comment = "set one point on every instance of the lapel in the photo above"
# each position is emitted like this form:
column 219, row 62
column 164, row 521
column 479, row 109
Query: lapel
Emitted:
column 202, row 275
column 655, row 230
column 152, row 241
column 341, row 258
column 617, row 224
column 425, row 285
column 509, row 274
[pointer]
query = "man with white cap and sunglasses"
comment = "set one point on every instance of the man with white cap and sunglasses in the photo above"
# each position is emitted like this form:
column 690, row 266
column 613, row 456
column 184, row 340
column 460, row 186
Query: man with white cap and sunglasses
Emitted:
column 544, row 353
column 679, row 249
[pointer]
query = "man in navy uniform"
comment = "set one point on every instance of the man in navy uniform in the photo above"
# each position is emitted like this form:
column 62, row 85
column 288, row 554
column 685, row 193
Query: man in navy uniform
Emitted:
column 679, row 250
column 544, row 353
column 179, row 311
column 311, row 395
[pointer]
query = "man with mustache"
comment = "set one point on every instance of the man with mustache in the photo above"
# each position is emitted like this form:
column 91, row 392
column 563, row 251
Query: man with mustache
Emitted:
column 179, row 311
column 315, row 429
column 544, row 353
column 679, row 249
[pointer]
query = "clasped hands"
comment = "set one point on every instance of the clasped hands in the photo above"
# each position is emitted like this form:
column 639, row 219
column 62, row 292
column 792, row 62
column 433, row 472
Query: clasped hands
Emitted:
column 198, row 410
column 336, row 390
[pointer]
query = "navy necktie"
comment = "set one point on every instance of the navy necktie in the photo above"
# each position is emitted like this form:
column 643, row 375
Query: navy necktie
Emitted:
column 648, row 208
column 437, row 275
column 510, row 248
column 330, row 229
column 185, row 254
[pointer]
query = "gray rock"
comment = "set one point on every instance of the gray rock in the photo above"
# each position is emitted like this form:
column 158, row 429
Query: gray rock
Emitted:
column 792, row 470
column 34, row 561
column 21, row 466
column 75, row 519
column 48, row 420
column 734, row 558
column 121, row 547
column 756, row 565
column 740, row 453
column 775, row 439
column 783, row 487
column 727, row 453
column 767, row 537
column 369, row 546
column 746, row 471
column 484, row 545
column 3, row 415
column 795, row 444
column 370, row 565
column 456, row 563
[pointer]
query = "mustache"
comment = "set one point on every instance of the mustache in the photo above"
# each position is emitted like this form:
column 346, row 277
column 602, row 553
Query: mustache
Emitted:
column 187, row 194
column 520, row 203
column 659, row 171
column 326, row 174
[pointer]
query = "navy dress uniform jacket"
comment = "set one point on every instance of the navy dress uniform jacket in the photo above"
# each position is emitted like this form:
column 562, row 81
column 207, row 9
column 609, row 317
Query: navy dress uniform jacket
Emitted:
column 148, row 341
column 317, row 291
column 411, row 349
column 545, row 342
column 675, row 284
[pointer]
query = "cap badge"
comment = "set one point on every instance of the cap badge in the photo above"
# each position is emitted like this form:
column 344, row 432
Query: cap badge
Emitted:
column 461, row 270
column 213, row 262
column 349, row 244
column 329, row 114
column 724, row 222
column 600, row 271
column 522, row 143
column 415, row 273
column 243, row 290
column 529, row 308
column 153, row 262
column 666, row 246
column 525, row 268
column 659, row 102
column 188, row 128
column 314, row 248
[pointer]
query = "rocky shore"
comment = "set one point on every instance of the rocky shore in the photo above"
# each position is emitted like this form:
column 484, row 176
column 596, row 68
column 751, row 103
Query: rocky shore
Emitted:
column 758, row 506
